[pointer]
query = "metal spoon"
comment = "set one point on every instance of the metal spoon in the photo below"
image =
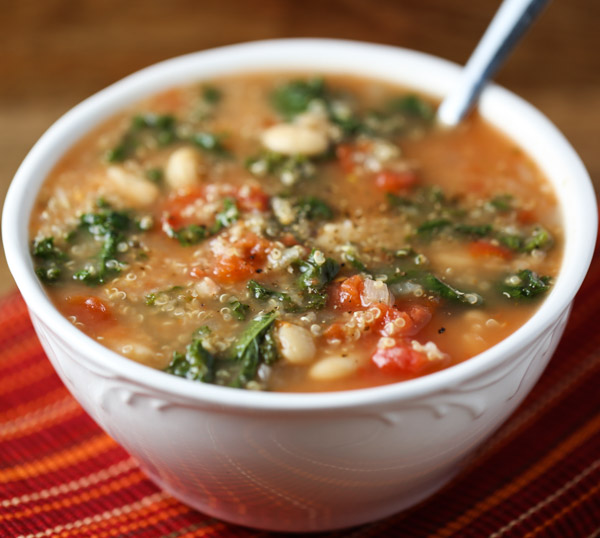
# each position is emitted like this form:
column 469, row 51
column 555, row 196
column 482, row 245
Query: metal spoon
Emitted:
column 509, row 24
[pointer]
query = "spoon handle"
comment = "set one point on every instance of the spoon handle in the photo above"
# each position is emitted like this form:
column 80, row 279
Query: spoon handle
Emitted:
column 509, row 24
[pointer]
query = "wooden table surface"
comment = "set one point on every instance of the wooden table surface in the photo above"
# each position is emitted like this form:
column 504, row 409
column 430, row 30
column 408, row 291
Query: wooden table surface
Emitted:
column 55, row 53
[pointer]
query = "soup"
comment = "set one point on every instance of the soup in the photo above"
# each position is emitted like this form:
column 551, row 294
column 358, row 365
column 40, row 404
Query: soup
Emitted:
column 295, row 233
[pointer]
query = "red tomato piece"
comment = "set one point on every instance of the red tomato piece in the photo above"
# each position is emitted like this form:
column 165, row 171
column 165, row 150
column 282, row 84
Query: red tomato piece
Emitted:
column 414, row 317
column 334, row 332
column 252, row 198
column 248, row 255
column 391, row 181
column 288, row 240
column 172, row 211
column 420, row 316
column 345, row 295
column 90, row 311
column 345, row 155
column 526, row 216
column 198, row 272
column 485, row 249
column 400, row 359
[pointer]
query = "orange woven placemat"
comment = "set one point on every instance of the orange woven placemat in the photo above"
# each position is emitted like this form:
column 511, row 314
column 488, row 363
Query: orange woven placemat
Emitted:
column 60, row 475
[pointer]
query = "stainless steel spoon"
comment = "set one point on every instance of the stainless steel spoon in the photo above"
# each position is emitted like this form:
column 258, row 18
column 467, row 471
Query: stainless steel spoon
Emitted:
column 509, row 24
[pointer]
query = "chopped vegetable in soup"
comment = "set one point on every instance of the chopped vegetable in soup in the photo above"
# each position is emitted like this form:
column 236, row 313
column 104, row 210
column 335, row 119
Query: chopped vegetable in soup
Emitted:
column 295, row 233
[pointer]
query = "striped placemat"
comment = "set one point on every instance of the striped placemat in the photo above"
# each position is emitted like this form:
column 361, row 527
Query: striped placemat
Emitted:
column 60, row 475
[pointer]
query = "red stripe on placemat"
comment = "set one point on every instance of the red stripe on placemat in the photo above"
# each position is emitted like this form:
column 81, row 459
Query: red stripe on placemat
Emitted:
column 538, row 476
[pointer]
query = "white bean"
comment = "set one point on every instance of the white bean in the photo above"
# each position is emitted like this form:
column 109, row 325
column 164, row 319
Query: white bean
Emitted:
column 332, row 368
column 297, row 345
column 292, row 139
column 132, row 189
column 183, row 168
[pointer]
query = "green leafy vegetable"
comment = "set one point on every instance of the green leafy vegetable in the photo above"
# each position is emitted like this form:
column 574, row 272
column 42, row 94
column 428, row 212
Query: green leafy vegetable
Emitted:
column 288, row 168
column 445, row 290
column 262, row 293
column 316, row 273
column 432, row 227
column 297, row 96
column 239, row 310
column 50, row 260
column 210, row 142
column 196, row 233
column 237, row 367
column 398, row 201
column 228, row 216
column 413, row 106
column 161, row 128
column 502, row 202
column 196, row 364
column 155, row 174
column 108, row 227
column 254, row 346
column 399, row 116
column 191, row 234
column 294, row 97
column 313, row 208
column 211, row 94
column 479, row 230
column 353, row 260
column 525, row 284
column 511, row 241
column 540, row 238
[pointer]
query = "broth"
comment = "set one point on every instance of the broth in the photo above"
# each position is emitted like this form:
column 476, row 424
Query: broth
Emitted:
column 295, row 233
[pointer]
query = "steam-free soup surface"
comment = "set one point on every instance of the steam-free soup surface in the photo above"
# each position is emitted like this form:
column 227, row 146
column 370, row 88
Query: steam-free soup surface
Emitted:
column 295, row 233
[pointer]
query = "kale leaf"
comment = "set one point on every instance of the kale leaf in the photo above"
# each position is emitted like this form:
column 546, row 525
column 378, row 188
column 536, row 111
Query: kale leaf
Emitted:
column 160, row 127
column 50, row 260
column 256, row 345
column 313, row 208
column 239, row 309
column 525, row 284
column 295, row 97
column 262, row 293
column 196, row 364
column 196, row 233
column 316, row 273
column 108, row 227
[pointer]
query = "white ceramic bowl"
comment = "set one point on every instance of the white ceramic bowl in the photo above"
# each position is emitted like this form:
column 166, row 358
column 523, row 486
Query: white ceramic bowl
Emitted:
column 305, row 462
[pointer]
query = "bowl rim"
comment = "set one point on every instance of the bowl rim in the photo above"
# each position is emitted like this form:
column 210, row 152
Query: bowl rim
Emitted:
column 302, row 53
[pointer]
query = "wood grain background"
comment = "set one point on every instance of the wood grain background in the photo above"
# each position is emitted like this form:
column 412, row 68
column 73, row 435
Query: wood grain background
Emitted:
column 54, row 53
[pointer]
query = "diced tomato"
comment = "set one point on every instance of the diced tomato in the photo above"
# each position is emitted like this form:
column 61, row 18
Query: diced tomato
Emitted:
column 420, row 316
column 345, row 154
column 173, row 208
column 252, row 198
column 414, row 317
column 91, row 311
column 169, row 101
column 198, row 272
column 288, row 240
column 392, row 181
column 485, row 249
column 248, row 255
column 334, row 332
column 526, row 216
column 345, row 295
column 400, row 359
